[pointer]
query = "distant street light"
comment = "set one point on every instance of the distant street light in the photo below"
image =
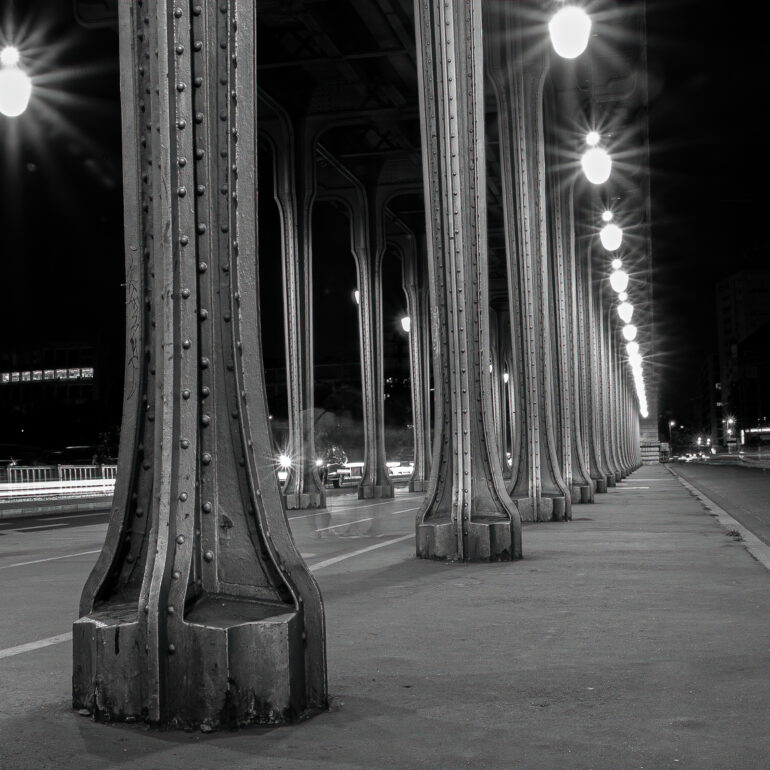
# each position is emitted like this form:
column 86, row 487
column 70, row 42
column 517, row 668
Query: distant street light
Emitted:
column 625, row 311
column 632, row 348
column 607, row 216
column 619, row 281
column 357, row 296
column 506, row 377
column 15, row 85
column 569, row 28
column 611, row 237
column 596, row 164
column 406, row 323
column 671, row 424
column 629, row 332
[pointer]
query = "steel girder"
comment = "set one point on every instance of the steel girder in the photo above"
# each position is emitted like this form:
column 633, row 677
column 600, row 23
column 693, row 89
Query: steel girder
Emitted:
column 467, row 514
column 294, row 165
column 538, row 487
column 200, row 609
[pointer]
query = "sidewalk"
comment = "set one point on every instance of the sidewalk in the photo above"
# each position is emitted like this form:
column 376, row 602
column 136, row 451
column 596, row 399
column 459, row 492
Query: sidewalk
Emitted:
column 635, row 636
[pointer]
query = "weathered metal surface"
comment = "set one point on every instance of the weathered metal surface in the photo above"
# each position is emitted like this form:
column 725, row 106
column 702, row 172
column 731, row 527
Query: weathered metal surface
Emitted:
column 200, row 610
column 467, row 514
column 518, row 76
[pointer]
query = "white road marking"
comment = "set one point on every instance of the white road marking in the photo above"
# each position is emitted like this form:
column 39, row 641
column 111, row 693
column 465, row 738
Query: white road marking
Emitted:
column 344, row 556
column 9, row 652
column 39, row 526
column 29, row 646
column 624, row 487
column 344, row 524
column 78, row 516
column 50, row 558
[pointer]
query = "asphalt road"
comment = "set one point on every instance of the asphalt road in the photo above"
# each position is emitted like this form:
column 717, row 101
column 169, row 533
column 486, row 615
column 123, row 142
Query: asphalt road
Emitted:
column 634, row 636
column 743, row 492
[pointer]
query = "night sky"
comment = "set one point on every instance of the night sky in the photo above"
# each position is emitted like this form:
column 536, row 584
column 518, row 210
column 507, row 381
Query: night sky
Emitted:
column 61, row 269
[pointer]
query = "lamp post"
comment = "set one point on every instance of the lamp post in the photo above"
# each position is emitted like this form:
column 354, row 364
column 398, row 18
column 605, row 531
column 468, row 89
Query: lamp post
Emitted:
column 15, row 84
column 671, row 424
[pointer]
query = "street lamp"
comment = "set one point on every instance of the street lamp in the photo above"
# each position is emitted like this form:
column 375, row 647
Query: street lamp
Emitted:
column 629, row 332
column 406, row 323
column 357, row 296
column 619, row 281
column 607, row 216
column 569, row 29
column 671, row 424
column 625, row 311
column 611, row 237
column 596, row 164
column 15, row 85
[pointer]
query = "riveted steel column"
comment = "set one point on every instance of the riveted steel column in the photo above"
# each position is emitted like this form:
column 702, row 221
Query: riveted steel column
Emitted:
column 599, row 461
column 294, row 172
column 410, row 271
column 605, row 379
column 563, row 262
column 467, row 513
column 369, row 251
column 495, row 369
column 199, row 610
column 518, row 76
column 427, row 365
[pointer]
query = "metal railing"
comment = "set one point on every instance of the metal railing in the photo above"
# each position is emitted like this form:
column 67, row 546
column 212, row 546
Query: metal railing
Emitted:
column 31, row 481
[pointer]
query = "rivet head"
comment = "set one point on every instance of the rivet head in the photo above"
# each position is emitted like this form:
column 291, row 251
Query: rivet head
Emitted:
column 227, row 316
column 181, row 124
column 208, row 556
column 182, row 162
column 203, row 313
column 171, row 649
column 205, row 419
column 197, row 10
column 129, row 559
column 200, row 189
column 178, row 13
column 180, row 539
column 206, row 507
column 198, row 45
column 180, row 50
column 199, row 117
column 185, row 394
column 202, row 267
column 205, row 391
column 201, row 228
column 139, row 513
column 204, row 363
column 170, row 609
column 185, row 443
column 186, row 344
column 180, row 87
column 183, row 498
column 199, row 153
column 176, row 574
column 181, row 192
column 185, row 293
column 206, row 458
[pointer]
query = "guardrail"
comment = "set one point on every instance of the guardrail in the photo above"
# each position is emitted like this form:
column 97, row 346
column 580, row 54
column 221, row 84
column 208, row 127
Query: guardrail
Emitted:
column 58, row 480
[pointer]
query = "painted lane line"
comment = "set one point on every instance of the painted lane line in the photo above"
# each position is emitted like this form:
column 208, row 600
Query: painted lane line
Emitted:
column 337, row 510
column 78, row 516
column 9, row 652
column 39, row 526
column 21, row 648
column 619, row 487
column 758, row 549
column 344, row 556
column 50, row 558
column 358, row 521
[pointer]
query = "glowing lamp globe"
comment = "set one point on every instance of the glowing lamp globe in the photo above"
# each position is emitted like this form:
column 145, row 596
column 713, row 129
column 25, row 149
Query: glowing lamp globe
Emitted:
column 635, row 361
column 506, row 377
column 632, row 348
column 625, row 311
column 406, row 323
column 643, row 412
column 629, row 332
column 607, row 216
column 597, row 165
column 284, row 461
column 616, row 264
column 15, row 85
column 569, row 28
column 623, row 296
column 619, row 280
column 611, row 237
column 357, row 296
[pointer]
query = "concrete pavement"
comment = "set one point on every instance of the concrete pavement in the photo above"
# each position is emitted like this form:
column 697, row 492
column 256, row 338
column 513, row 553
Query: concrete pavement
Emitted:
column 635, row 636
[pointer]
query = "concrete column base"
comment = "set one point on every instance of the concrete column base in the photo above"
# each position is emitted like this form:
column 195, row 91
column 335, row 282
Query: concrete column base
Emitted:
column 612, row 480
column 485, row 541
column 585, row 494
column 301, row 501
column 558, row 509
column 418, row 486
column 249, row 667
column 373, row 491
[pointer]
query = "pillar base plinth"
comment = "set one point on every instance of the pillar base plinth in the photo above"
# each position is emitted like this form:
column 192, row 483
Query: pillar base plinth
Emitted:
column 249, row 667
column 418, row 486
column 585, row 494
column 612, row 480
column 486, row 541
column 374, row 491
column 558, row 508
column 304, row 500
column 600, row 485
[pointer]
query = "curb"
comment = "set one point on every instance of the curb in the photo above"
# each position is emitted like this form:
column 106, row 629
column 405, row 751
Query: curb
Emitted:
column 753, row 544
